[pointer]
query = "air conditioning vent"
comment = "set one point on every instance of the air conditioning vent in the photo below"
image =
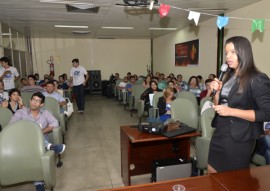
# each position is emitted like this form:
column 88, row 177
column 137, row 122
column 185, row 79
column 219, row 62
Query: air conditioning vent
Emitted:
column 81, row 32
column 77, row 9
column 105, row 37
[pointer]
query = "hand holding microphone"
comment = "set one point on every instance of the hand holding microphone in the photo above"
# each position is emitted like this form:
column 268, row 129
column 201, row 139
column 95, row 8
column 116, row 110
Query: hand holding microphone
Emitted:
column 216, row 84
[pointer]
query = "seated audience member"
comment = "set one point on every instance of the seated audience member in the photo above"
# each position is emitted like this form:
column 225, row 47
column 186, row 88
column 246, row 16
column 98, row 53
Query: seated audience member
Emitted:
column 176, row 85
column 146, row 82
column 62, row 84
column 162, row 84
column 51, row 77
column 46, row 80
column 31, row 87
column 169, row 78
column 130, row 84
column 164, row 104
column 193, row 87
column 135, row 77
column 171, row 75
column 56, row 88
column 50, row 92
column 44, row 119
column 23, row 83
column 43, row 81
column 128, row 75
column 157, row 75
column 37, row 78
column 15, row 101
column 116, row 77
column 208, row 91
column 3, row 93
column 201, row 82
column 181, row 83
column 172, row 85
column 212, row 76
column 145, row 95
column 161, row 77
column 122, row 85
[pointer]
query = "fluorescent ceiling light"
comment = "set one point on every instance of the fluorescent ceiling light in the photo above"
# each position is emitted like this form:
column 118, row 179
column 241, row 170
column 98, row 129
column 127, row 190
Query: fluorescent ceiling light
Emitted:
column 123, row 28
column 151, row 5
column 64, row 2
column 164, row 29
column 70, row 26
column 6, row 34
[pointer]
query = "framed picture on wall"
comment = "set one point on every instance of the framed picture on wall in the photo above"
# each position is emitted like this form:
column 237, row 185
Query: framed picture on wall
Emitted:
column 187, row 53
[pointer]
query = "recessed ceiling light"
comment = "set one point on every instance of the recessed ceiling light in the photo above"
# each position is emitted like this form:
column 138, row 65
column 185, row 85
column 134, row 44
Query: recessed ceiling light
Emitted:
column 70, row 26
column 164, row 29
column 123, row 28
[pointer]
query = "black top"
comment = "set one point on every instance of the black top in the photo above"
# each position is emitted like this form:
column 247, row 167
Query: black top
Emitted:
column 10, row 108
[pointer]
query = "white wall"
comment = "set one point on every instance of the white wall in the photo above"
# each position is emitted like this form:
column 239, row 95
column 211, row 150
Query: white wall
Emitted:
column 109, row 56
column 164, row 51
column 206, row 32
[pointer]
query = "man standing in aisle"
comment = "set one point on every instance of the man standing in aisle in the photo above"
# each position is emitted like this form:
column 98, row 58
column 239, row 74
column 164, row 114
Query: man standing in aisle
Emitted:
column 8, row 73
column 78, row 79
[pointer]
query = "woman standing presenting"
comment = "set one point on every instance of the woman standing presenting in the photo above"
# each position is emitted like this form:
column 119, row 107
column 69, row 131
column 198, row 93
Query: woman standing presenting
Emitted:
column 242, row 104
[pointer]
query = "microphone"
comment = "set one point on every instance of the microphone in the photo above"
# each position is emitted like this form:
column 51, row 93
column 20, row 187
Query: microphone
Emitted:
column 223, row 69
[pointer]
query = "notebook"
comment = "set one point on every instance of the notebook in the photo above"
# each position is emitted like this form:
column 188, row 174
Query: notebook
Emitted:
column 180, row 130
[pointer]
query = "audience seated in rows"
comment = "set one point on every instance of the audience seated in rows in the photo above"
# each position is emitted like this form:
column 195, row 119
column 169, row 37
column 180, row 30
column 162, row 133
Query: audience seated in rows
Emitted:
column 46, row 121
column 31, row 87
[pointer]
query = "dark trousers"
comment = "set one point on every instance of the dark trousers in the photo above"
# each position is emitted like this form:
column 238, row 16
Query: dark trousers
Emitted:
column 79, row 94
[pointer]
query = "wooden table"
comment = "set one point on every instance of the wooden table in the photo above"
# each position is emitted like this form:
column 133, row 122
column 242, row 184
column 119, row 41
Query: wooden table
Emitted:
column 253, row 179
column 139, row 149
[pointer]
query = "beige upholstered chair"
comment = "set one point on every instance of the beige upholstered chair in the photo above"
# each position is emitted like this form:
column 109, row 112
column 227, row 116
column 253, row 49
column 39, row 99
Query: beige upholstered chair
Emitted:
column 5, row 116
column 190, row 96
column 26, row 97
column 154, row 112
column 185, row 111
column 137, row 90
column 202, row 143
column 23, row 157
column 53, row 106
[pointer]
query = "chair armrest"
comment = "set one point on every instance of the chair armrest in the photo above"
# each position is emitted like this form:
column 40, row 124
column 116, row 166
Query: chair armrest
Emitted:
column 140, row 108
column 131, row 102
column 48, row 168
column 258, row 159
column 202, row 150
column 62, row 122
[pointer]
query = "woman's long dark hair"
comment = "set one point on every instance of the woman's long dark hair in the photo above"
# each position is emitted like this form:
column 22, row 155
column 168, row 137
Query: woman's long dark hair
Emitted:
column 247, row 68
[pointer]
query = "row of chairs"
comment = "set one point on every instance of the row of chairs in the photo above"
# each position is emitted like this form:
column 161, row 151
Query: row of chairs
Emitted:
column 185, row 108
column 40, row 165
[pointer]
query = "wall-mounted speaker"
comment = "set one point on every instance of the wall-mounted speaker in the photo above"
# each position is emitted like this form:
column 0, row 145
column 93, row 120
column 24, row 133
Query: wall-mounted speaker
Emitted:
column 94, row 80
